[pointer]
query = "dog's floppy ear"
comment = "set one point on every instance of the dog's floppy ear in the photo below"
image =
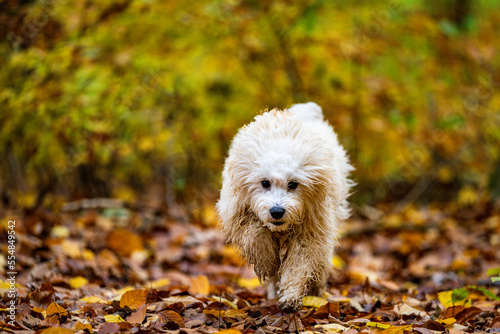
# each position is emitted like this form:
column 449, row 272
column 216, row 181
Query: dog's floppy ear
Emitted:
column 231, row 205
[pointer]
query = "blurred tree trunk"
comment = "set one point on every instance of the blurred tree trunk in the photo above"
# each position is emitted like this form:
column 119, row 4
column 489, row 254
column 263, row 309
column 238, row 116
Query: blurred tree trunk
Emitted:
column 494, row 183
column 455, row 11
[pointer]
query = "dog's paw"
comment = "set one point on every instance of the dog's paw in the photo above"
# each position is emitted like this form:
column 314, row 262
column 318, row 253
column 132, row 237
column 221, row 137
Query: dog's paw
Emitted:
column 290, row 306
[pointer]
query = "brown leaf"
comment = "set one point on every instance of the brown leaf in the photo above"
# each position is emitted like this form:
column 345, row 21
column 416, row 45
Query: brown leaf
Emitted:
column 433, row 326
column 452, row 311
column 107, row 328
column 133, row 298
column 55, row 308
column 467, row 314
column 137, row 317
column 171, row 316
column 422, row 330
column 331, row 308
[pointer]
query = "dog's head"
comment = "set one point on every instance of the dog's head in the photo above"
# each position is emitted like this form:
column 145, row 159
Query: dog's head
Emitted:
column 278, row 170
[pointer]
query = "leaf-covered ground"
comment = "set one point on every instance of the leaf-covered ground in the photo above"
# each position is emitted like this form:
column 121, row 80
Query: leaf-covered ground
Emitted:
column 110, row 270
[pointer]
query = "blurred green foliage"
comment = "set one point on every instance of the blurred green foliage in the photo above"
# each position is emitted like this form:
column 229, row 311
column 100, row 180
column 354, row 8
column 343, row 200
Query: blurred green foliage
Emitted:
column 104, row 98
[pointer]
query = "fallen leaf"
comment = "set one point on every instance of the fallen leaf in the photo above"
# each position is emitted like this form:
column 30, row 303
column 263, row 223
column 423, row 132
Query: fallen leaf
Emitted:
column 186, row 300
column 159, row 283
column 171, row 316
column 137, row 317
column 134, row 298
column 249, row 283
column 408, row 310
column 330, row 308
column 93, row 299
column 113, row 318
column 445, row 298
column 199, row 286
column 55, row 308
column 81, row 326
column 378, row 325
column 124, row 242
column 77, row 282
column 313, row 301
column 332, row 328
column 396, row 329
column 56, row 330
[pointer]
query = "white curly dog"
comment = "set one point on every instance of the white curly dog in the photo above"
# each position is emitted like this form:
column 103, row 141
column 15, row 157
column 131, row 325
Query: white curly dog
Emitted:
column 284, row 191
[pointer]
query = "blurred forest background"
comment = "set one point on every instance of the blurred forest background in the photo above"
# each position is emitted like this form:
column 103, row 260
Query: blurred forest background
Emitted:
column 138, row 100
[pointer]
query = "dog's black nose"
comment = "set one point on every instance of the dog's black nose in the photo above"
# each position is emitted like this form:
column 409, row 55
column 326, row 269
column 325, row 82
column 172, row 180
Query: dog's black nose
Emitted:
column 277, row 212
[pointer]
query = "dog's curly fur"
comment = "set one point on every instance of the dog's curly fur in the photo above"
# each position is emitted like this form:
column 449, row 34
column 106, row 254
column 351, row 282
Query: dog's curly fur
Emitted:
column 290, row 160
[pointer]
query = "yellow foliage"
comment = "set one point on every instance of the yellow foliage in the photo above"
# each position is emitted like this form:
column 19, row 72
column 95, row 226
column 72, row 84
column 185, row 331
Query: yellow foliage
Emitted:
column 445, row 299
column 313, row 301
column 249, row 283
column 113, row 318
column 78, row 282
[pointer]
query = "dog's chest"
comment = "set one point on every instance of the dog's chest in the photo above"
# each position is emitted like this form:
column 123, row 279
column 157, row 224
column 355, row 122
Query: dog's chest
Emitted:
column 283, row 241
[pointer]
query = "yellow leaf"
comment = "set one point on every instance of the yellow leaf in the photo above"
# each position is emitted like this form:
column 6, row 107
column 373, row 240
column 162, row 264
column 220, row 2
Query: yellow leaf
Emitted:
column 209, row 215
column 224, row 301
column 59, row 232
column 215, row 312
column 113, row 318
column 338, row 262
column 37, row 310
column 448, row 321
column 228, row 331
column 199, row 285
column 71, row 248
column 159, row 283
column 445, row 299
column 232, row 313
column 378, row 325
column 93, row 299
column 313, row 301
column 396, row 329
column 249, row 283
column 88, row 254
column 6, row 285
column 467, row 195
column 78, row 282
column 55, row 308
column 134, row 298
column 81, row 326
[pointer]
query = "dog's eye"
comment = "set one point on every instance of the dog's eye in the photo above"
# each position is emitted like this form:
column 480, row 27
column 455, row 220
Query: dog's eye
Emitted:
column 266, row 184
column 292, row 185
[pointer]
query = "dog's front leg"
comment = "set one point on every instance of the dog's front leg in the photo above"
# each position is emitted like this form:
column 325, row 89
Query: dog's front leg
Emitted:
column 256, row 244
column 303, row 270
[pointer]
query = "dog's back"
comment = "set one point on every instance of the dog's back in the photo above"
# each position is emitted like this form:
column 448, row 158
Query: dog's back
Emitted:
column 307, row 112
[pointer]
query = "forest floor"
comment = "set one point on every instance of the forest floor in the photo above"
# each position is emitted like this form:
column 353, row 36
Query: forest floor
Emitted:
column 115, row 269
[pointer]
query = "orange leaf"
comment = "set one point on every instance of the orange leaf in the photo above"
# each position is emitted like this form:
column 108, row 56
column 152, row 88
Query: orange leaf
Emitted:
column 124, row 242
column 55, row 308
column 56, row 330
column 199, row 285
column 171, row 316
column 133, row 298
